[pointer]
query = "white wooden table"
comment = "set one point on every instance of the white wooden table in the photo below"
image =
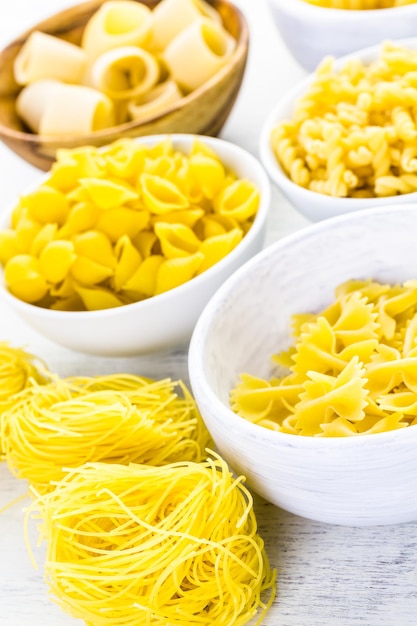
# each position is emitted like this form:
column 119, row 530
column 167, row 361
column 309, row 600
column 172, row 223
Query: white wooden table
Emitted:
column 327, row 575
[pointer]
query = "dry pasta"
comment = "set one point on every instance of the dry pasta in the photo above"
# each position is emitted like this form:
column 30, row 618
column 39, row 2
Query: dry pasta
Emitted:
column 18, row 370
column 132, row 63
column 176, row 545
column 119, row 418
column 358, row 5
column 352, row 133
column 114, row 226
column 351, row 371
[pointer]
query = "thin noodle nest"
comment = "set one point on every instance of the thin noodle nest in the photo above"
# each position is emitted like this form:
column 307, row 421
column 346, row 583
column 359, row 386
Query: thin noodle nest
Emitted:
column 175, row 545
column 119, row 418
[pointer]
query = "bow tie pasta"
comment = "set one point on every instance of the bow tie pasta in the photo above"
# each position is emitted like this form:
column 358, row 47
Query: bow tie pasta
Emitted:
column 351, row 371
column 353, row 133
column 117, row 225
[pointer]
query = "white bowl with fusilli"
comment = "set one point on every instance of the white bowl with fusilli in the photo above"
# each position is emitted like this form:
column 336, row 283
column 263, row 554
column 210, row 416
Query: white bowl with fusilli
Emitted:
column 345, row 138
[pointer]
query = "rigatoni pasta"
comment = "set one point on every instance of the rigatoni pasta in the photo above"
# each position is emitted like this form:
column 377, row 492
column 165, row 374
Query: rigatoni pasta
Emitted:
column 351, row 370
column 352, row 133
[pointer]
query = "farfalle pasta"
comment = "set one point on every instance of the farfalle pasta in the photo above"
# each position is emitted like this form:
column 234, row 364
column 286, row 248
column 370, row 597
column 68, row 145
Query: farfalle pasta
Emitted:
column 133, row 63
column 353, row 132
column 118, row 225
column 351, row 371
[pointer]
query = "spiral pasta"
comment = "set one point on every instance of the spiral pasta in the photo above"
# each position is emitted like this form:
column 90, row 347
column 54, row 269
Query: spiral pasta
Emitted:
column 353, row 132
column 135, row 544
column 351, row 369
column 120, row 418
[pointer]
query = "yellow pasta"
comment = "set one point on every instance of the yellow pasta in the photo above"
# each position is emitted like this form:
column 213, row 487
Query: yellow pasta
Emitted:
column 174, row 545
column 358, row 5
column 197, row 53
column 114, row 226
column 115, row 419
column 351, row 370
column 44, row 56
column 133, row 63
column 18, row 370
column 353, row 132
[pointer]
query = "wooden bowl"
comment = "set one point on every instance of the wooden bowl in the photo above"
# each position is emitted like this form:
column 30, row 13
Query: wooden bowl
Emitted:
column 203, row 111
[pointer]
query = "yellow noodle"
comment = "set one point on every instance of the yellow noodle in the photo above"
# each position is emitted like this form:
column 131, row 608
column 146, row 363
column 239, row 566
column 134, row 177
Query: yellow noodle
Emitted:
column 177, row 545
column 351, row 371
column 119, row 418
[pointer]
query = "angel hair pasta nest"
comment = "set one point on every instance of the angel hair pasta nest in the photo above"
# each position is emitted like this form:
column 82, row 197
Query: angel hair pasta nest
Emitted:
column 124, row 223
column 175, row 545
column 119, row 418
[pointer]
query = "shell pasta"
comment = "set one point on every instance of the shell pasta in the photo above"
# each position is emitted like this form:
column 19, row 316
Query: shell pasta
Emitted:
column 351, row 370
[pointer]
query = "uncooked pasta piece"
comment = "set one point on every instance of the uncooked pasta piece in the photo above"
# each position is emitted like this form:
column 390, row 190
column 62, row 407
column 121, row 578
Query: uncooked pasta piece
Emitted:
column 76, row 110
column 115, row 24
column 125, row 72
column 117, row 225
column 120, row 418
column 352, row 369
column 170, row 17
column 33, row 100
column 44, row 56
column 154, row 102
column 198, row 52
column 176, row 545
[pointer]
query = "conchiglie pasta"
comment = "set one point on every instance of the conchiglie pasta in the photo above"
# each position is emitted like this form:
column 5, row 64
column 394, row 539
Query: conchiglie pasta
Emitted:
column 351, row 370
column 124, row 223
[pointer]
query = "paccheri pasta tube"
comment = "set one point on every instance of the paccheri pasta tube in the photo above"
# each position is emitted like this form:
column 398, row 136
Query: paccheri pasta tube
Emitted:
column 114, row 226
column 358, row 5
column 126, row 52
column 353, row 132
column 120, row 418
column 352, row 369
column 44, row 56
column 174, row 545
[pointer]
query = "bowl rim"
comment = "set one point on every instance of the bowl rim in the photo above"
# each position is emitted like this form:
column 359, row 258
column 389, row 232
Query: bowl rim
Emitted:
column 238, row 55
column 199, row 339
column 302, row 7
column 274, row 168
column 162, row 299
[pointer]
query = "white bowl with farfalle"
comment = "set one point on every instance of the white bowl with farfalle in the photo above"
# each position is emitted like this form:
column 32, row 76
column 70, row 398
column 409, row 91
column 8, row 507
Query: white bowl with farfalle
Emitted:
column 358, row 480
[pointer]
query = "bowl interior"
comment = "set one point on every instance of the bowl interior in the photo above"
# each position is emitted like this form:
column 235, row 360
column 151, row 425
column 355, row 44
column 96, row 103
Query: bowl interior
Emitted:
column 187, row 115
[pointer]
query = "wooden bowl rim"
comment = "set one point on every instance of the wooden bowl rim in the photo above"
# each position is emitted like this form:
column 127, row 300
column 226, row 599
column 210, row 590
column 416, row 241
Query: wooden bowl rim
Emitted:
column 239, row 54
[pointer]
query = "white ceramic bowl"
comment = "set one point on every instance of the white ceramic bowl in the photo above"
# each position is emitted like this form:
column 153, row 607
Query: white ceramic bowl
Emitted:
column 311, row 32
column 166, row 320
column 360, row 480
column 316, row 206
